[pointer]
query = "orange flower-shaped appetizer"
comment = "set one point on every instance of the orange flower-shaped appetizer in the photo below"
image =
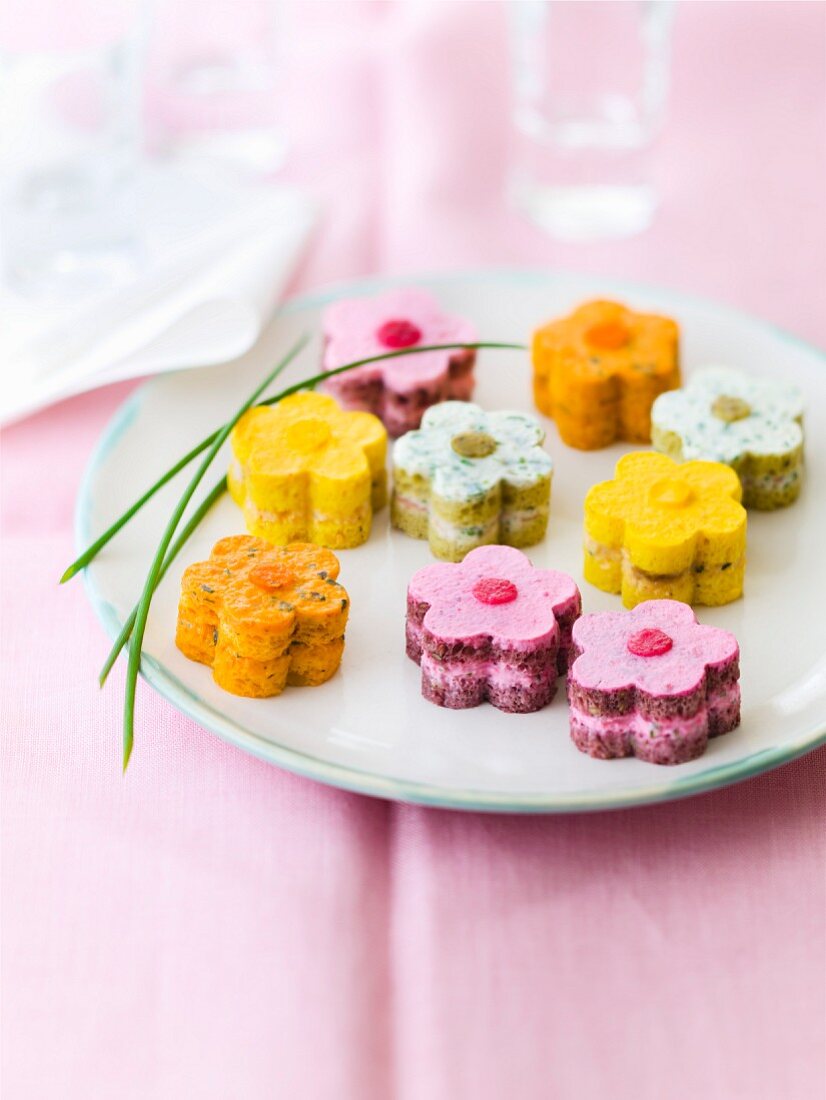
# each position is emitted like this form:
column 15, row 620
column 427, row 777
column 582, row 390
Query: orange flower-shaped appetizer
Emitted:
column 305, row 469
column 598, row 371
column 263, row 616
column 663, row 529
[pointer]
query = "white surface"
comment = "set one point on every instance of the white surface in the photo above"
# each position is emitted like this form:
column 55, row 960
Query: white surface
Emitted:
column 216, row 258
column 369, row 727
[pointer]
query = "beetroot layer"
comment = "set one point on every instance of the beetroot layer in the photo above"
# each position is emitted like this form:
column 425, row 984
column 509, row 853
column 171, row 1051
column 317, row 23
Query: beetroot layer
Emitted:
column 402, row 411
column 459, row 687
column 418, row 638
column 610, row 744
column 673, row 740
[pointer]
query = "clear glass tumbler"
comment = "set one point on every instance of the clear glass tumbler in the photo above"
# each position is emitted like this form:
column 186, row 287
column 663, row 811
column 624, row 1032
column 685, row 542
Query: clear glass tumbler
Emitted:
column 590, row 86
column 70, row 147
column 217, row 93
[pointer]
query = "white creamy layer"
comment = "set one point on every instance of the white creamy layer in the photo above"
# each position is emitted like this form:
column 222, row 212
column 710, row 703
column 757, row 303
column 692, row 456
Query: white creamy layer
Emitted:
column 457, row 532
column 498, row 673
column 518, row 459
column 772, row 428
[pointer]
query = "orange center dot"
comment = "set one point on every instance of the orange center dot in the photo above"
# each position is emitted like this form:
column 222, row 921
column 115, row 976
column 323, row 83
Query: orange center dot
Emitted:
column 271, row 576
column 608, row 335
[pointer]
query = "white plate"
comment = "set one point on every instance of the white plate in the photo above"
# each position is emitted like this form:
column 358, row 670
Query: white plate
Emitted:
column 369, row 729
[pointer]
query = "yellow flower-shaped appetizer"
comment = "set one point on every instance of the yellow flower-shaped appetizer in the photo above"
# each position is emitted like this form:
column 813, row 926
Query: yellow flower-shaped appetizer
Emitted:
column 305, row 470
column 666, row 530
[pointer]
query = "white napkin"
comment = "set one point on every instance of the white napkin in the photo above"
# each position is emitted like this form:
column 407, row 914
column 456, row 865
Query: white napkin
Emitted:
column 216, row 259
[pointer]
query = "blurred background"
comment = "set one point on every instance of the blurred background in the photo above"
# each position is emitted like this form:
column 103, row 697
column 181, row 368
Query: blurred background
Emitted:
column 170, row 169
column 213, row 927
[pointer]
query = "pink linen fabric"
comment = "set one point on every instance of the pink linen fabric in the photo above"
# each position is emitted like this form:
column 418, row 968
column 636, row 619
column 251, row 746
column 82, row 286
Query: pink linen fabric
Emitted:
column 212, row 927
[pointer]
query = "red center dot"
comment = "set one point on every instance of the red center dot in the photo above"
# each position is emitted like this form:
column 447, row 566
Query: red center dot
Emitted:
column 495, row 590
column 399, row 334
column 649, row 642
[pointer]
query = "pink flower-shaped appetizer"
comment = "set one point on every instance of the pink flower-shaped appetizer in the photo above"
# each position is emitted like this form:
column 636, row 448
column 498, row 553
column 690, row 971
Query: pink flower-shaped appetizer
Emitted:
column 652, row 683
column 491, row 627
column 397, row 390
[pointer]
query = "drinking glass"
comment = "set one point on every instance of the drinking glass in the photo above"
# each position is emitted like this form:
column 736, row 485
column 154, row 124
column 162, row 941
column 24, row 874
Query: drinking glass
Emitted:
column 590, row 85
column 70, row 126
column 216, row 85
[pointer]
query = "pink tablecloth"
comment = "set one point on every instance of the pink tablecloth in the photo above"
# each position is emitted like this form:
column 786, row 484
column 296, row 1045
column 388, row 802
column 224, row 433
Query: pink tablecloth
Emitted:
column 212, row 927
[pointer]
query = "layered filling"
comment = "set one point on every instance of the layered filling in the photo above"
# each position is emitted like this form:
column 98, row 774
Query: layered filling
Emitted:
column 667, row 738
column 482, row 651
column 301, row 665
column 637, row 725
column 640, row 578
column 338, row 529
column 771, row 483
column 510, row 686
column 464, row 672
column 612, row 569
column 719, row 701
column 772, row 490
column 497, row 674
column 401, row 411
column 515, row 527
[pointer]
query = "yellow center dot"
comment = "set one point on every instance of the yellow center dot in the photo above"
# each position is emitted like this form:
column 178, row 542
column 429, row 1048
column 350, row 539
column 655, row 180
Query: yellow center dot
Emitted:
column 608, row 335
column 308, row 435
column 671, row 492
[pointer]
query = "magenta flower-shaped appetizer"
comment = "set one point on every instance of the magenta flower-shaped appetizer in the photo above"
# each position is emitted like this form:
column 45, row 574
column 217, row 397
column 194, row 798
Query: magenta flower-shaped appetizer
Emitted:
column 651, row 683
column 490, row 628
column 397, row 390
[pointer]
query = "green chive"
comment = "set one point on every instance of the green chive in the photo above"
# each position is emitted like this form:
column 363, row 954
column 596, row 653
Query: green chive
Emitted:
column 92, row 551
column 153, row 576
column 174, row 550
column 94, row 548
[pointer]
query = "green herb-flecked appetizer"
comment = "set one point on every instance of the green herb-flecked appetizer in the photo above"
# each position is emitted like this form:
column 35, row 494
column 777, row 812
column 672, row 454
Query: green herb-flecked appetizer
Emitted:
column 754, row 425
column 470, row 478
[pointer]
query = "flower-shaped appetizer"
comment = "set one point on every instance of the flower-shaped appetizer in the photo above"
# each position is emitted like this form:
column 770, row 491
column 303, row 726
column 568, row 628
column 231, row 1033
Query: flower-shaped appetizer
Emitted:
column 490, row 628
column 263, row 616
column 469, row 477
column 397, row 390
column 303, row 469
column 598, row 371
column 754, row 425
column 661, row 529
column 651, row 683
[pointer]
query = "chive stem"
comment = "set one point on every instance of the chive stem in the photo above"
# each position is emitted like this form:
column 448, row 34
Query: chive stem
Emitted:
column 217, row 491
column 153, row 576
column 94, row 548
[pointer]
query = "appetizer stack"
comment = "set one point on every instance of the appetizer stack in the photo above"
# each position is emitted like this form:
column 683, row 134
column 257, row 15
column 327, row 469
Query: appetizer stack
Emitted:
column 483, row 624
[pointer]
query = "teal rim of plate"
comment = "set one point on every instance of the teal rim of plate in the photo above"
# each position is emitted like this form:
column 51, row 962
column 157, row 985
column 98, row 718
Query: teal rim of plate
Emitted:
column 371, row 783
